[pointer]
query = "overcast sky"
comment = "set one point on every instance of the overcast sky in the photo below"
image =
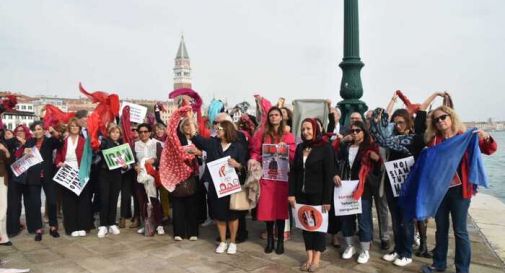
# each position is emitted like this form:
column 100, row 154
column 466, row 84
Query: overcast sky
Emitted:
column 288, row 48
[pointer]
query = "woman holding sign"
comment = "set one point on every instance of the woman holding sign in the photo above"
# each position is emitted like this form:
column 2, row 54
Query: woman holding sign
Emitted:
column 76, row 208
column 273, row 202
column 357, row 160
column 41, row 175
column 225, row 144
column 110, row 182
column 310, row 183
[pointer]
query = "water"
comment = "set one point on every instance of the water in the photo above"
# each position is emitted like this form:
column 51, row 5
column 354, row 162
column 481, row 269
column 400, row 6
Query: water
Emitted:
column 495, row 166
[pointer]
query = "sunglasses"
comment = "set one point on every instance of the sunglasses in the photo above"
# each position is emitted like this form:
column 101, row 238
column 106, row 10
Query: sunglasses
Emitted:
column 437, row 119
column 356, row 131
column 215, row 122
column 143, row 132
column 220, row 128
column 134, row 130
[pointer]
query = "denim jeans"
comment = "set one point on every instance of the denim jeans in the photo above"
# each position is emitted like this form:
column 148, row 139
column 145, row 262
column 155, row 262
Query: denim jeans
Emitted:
column 457, row 206
column 403, row 230
column 364, row 222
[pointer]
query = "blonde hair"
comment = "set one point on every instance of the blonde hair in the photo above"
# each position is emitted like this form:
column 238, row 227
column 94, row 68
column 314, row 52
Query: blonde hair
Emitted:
column 114, row 127
column 431, row 130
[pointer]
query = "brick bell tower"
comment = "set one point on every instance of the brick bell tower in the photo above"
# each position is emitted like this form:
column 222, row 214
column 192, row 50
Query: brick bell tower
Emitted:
column 182, row 68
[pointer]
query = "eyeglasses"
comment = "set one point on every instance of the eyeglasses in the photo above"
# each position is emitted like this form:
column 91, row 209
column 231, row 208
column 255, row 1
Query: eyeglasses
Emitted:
column 134, row 130
column 215, row 122
column 356, row 131
column 143, row 131
column 20, row 131
column 437, row 119
column 220, row 128
column 400, row 122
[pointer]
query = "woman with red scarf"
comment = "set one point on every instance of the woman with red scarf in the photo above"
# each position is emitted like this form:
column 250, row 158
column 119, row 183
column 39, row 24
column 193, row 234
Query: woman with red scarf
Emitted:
column 273, row 202
column 310, row 183
column 357, row 160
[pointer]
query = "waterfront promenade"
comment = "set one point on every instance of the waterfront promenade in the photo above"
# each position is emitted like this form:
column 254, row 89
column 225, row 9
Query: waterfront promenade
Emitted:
column 130, row 252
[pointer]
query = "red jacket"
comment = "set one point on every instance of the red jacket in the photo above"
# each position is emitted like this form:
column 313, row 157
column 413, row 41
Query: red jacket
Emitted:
column 487, row 147
column 62, row 152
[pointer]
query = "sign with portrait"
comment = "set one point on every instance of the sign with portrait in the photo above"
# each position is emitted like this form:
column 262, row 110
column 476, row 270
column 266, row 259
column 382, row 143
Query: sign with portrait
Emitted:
column 275, row 160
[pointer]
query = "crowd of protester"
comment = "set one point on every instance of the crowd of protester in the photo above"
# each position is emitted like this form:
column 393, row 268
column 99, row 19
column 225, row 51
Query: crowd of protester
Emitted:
column 325, row 156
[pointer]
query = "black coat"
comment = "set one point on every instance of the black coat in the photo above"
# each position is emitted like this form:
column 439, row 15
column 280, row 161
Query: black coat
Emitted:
column 47, row 167
column 317, row 174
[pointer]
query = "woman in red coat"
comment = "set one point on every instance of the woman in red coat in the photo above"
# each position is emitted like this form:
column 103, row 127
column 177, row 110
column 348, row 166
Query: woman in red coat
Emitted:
column 273, row 202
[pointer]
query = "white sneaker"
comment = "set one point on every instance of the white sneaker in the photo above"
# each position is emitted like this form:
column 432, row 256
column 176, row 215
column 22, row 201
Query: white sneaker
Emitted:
column 232, row 248
column 221, row 248
column 402, row 261
column 364, row 256
column 207, row 222
column 114, row 230
column 178, row 238
column 82, row 233
column 102, row 231
column 390, row 257
column 160, row 230
column 193, row 238
column 75, row 234
column 140, row 230
column 417, row 240
column 348, row 253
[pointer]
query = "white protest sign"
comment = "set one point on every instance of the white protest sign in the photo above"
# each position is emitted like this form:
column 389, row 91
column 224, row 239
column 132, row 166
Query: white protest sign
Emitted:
column 26, row 161
column 343, row 201
column 68, row 177
column 224, row 177
column 137, row 112
column 310, row 218
column 397, row 171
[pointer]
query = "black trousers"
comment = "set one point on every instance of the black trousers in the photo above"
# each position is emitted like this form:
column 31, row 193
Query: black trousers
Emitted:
column 49, row 187
column 185, row 215
column 110, row 185
column 76, row 210
column 315, row 241
column 127, row 192
column 32, row 202
column 14, row 193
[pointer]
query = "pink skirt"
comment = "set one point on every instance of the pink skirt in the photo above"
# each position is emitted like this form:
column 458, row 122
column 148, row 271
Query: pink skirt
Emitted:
column 273, row 202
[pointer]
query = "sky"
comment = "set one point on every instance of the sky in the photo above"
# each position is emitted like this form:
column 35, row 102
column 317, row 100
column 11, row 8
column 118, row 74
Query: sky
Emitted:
column 238, row 48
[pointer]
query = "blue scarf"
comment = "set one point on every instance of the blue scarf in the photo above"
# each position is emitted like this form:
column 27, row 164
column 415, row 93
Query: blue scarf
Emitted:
column 85, row 166
column 430, row 177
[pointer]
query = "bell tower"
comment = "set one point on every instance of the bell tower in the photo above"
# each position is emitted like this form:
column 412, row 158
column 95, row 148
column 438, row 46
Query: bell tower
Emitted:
column 182, row 68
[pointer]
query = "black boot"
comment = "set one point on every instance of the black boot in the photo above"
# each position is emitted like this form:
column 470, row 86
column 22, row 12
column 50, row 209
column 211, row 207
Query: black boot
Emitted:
column 280, row 245
column 270, row 244
column 422, row 251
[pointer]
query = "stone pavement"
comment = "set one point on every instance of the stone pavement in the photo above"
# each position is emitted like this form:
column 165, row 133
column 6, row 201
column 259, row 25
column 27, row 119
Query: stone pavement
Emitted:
column 130, row 252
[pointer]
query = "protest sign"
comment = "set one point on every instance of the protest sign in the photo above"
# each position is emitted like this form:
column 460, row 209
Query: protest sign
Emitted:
column 224, row 177
column 137, row 112
column 68, row 177
column 397, row 171
column 118, row 156
column 26, row 161
column 343, row 200
column 275, row 159
column 310, row 218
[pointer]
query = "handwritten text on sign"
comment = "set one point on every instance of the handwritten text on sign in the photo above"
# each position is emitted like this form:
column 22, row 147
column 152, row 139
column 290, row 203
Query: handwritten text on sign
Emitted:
column 343, row 200
column 68, row 177
column 224, row 177
column 397, row 171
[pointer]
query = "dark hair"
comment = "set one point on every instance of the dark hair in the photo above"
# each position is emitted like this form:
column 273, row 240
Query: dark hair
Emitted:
column 319, row 122
column 366, row 135
column 289, row 121
column 145, row 125
column 81, row 114
column 269, row 128
column 230, row 133
column 35, row 123
column 403, row 113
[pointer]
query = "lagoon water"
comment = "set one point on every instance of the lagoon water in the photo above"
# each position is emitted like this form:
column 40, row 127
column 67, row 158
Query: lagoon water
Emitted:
column 495, row 165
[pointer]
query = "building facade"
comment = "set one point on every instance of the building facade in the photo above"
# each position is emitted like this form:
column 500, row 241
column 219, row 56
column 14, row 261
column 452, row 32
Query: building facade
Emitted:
column 182, row 68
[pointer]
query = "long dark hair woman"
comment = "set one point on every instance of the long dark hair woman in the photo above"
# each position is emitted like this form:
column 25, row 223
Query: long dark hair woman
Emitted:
column 41, row 175
column 273, row 201
column 352, row 157
column 310, row 183
column 223, row 145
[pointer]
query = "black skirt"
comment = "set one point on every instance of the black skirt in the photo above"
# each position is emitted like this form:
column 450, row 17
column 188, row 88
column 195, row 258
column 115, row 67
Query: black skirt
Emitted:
column 219, row 208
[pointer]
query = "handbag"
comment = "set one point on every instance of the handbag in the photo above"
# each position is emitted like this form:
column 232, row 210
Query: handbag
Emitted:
column 186, row 188
column 239, row 200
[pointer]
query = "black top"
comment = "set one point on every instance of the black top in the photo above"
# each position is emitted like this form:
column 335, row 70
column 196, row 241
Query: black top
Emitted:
column 215, row 151
column 105, row 144
column 47, row 167
column 316, row 178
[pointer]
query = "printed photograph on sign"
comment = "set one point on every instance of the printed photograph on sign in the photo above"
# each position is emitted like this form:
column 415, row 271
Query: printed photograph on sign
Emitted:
column 343, row 200
column 275, row 159
column 310, row 218
column 224, row 177
column 398, row 171
column 26, row 161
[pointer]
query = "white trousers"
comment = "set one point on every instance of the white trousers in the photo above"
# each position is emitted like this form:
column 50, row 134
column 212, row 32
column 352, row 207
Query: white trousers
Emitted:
column 3, row 212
